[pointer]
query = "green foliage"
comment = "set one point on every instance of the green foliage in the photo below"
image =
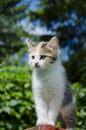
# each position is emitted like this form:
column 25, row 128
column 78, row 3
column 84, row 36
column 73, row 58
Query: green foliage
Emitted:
column 76, row 67
column 11, row 13
column 80, row 93
column 16, row 100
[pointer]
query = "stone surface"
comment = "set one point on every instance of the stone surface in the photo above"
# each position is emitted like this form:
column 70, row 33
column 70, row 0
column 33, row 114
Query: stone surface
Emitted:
column 45, row 127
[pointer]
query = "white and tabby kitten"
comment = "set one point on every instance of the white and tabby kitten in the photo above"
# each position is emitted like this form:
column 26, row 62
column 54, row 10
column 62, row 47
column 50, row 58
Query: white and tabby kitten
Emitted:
column 52, row 93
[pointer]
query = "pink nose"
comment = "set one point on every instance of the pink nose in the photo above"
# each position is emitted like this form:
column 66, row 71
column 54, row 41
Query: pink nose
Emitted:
column 36, row 64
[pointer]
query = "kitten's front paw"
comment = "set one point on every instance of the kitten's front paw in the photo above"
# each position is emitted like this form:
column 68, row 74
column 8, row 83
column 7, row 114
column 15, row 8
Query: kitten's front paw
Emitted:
column 42, row 121
column 51, row 123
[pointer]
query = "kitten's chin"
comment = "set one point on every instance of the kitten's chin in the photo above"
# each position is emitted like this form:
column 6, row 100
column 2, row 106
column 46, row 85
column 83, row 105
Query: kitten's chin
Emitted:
column 38, row 67
column 41, row 68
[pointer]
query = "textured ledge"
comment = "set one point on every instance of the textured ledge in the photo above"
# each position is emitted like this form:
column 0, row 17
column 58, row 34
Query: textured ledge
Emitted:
column 45, row 127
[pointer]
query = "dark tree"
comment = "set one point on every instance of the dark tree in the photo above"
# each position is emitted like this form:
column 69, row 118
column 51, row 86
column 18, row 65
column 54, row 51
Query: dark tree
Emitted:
column 11, row 33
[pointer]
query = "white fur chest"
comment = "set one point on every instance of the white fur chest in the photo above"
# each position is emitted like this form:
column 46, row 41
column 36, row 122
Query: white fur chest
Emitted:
column 48, row 85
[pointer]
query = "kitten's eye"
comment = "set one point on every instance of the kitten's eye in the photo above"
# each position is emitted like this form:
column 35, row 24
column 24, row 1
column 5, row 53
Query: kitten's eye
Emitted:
column 33, row 57
column 43, row 57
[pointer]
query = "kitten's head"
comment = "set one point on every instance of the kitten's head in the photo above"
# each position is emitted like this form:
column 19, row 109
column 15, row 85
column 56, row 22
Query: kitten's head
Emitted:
column 44, row 54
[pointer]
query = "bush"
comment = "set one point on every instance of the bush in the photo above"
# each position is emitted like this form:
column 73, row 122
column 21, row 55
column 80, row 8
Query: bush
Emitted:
column 80, row 93
column 16, row 100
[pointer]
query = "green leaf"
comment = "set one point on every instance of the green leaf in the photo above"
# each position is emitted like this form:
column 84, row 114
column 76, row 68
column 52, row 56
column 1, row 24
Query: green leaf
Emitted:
column 14, row 102
column 7, row 109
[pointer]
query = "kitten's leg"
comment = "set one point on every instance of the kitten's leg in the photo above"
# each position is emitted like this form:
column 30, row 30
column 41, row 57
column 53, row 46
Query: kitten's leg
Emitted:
column 68, row 115
column 41, row 110
column 54, row 108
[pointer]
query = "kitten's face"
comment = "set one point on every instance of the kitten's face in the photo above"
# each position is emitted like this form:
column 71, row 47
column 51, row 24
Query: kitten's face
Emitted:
column 42, row 55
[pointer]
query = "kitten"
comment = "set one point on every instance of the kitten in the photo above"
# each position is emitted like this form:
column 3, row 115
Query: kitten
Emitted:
column 52, row 93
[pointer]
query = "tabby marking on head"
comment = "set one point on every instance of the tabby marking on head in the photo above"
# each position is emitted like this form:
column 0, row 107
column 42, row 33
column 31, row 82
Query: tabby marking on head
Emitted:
column 43, row 54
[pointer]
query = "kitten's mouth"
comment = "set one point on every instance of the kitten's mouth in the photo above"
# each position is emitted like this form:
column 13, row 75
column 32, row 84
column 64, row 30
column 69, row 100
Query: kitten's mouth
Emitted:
column 37, row 66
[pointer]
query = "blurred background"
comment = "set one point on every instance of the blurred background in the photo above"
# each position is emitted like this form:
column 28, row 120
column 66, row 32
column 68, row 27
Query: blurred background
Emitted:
column 39, row 20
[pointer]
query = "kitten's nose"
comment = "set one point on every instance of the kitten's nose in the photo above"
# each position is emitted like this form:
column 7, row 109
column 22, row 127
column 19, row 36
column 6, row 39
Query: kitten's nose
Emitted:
column 36, row 64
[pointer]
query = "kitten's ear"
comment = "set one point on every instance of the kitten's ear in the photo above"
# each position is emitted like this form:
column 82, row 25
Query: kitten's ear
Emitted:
column 30, row 43
column 54, row 44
